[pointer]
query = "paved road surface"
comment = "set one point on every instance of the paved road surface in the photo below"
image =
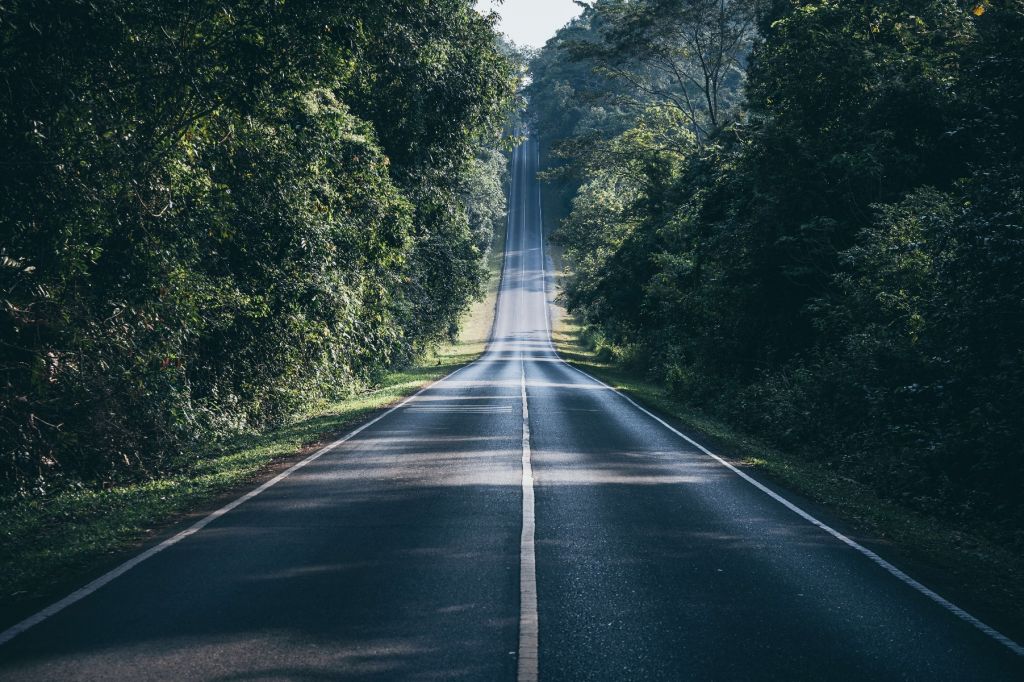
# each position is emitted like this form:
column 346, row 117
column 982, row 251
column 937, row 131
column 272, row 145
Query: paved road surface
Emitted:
column 409, row 551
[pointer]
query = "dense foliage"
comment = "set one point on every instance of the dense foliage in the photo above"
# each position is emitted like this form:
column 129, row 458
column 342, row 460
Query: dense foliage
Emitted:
column 214, row 213
column 837, row 262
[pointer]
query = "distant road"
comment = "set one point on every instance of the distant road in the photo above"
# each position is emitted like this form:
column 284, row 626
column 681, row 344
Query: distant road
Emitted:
column 517, row 519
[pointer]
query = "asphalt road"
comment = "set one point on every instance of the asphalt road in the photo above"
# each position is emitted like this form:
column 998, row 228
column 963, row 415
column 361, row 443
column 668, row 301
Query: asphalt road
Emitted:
column 409, row 551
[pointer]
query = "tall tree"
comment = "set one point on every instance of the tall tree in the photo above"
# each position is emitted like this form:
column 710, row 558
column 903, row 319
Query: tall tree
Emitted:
column 217, row 212
column 689, row 55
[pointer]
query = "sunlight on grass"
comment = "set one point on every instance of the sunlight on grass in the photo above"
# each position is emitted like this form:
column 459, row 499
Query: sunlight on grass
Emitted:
column 476, row 324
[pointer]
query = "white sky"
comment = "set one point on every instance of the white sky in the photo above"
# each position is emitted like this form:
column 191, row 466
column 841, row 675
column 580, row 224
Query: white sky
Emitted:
column 531, row 22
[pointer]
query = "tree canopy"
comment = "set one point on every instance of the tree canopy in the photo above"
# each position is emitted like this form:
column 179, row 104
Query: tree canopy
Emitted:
column 215, row 213
column 832, row 256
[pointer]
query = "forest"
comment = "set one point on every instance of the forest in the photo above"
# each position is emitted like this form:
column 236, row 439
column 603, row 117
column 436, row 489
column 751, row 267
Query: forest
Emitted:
column 215, row 214
column 807, row 219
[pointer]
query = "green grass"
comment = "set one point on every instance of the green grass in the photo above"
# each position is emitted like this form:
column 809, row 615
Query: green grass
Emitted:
column 45, row 540
column 958, row 561
column 51, row 544
column 476, row 325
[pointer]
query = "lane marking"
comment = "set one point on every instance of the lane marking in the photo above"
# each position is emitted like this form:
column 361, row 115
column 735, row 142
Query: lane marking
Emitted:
column 528, row 622
column 461, row 409
column 853, row 544
column 83, row 592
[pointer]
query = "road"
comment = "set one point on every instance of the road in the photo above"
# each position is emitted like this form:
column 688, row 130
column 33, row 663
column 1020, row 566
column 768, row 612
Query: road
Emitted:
column 516, row 520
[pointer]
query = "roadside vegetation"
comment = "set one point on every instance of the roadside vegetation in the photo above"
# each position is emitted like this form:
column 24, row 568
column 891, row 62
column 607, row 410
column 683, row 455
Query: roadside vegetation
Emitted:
column 217, row 215
column 228, row 230
column 960, row 559
column 804, row 222
column 53, row 541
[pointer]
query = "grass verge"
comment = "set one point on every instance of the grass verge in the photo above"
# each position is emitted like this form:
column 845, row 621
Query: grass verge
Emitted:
column 51, row 544
column 957, row 561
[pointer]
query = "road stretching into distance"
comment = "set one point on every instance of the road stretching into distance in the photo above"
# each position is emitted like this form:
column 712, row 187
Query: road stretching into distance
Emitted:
column 516, row 520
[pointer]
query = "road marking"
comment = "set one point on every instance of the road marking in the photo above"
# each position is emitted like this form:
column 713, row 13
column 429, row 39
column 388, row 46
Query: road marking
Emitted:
column 55, row 608
column 461, row 409
column 528, row 621
column 853, row 544
column 528, row 624
column 892, row 570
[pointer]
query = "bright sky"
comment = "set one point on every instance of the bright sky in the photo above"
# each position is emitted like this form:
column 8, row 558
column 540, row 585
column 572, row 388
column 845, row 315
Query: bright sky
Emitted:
column 531, row 22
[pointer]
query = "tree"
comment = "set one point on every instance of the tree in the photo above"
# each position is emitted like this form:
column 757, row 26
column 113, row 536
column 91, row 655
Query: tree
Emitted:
column 211, row 218
column 689, row 55
column 832, row 266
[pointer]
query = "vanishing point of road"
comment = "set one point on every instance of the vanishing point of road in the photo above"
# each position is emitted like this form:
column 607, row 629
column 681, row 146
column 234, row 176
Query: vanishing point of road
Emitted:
column 516, row 520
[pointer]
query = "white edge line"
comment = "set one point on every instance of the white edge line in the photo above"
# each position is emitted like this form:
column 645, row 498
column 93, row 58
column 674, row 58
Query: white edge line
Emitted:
column 108, row 577
column 79, row 594
column 874, row 557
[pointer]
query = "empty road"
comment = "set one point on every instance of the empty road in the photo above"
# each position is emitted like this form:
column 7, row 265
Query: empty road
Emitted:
column 517, row 520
